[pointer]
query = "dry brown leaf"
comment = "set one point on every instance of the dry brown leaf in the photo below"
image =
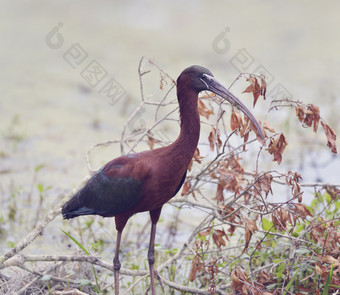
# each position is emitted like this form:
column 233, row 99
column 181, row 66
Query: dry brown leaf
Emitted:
column 276, row 147
column 301, row 211
column 203, row 110
column 250, row 228
column 316, row 116
column 266, row 126
column 293, row 180
column 256, row 92
column 240, row 283
column 236, row 121
column 197, row 158
column 234, row 164
column 218, row 240
column 219, row 194
column 206, row 232
column 151, row 140
column 163, row 81
column 321, row 270
column 312, row 116
column 265, row 184
column 233, row 181
column 196, row 266
column 300, row 112
column 263, row 88
column 280, row 217
column 331, row 137
column 330, row 259
column 221, row 233
column 309, row 116
column 254, row 87
column 250, row 88
column 212, row 139
column 231, row 229
column 186, row 188
column 230, row 174
column 246, row 127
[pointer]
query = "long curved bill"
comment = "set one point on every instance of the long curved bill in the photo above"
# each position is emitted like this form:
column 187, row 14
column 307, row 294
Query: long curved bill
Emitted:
column 219, row 89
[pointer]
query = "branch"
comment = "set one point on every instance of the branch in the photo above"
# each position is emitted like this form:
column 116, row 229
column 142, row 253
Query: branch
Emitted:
column 38, row 230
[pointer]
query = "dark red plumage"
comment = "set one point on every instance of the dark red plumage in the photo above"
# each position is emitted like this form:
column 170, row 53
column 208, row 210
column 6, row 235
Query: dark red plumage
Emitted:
column 146, row 181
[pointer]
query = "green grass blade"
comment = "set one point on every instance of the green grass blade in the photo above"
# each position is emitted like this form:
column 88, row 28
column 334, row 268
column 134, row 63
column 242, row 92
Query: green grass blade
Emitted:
column 290, row 283
column 77, row 242
column 86, row 252
column 328, row 281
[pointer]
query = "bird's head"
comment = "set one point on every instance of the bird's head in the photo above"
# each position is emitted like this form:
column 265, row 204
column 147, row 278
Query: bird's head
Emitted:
column 201, row 79
column 194, row 77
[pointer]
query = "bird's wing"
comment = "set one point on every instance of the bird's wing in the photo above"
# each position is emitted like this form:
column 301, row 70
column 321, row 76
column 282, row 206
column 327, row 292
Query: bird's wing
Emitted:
column 112, row 190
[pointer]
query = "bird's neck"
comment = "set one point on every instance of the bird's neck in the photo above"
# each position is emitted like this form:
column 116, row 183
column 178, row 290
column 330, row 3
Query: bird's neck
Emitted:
column 188, row 138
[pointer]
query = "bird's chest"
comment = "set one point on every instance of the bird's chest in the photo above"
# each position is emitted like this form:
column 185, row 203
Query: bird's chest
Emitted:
column 161, row 186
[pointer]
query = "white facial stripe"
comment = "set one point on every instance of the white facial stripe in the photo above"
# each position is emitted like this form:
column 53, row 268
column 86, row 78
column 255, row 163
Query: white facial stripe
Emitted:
column 204, row 83
column 209, row 77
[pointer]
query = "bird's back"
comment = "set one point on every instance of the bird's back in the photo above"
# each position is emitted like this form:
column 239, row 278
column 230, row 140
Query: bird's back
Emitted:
column 112, row 190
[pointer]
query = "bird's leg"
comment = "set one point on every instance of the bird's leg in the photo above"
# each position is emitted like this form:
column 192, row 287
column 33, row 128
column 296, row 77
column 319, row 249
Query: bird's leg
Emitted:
column 151, row 257
column 151, row 254
column 116, row 263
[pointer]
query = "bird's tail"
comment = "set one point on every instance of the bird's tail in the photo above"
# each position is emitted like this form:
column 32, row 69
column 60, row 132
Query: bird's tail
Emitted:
column 74, row 208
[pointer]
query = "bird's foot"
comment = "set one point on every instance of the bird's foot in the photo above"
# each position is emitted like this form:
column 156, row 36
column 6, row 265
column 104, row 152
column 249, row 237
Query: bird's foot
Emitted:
column 160, row 281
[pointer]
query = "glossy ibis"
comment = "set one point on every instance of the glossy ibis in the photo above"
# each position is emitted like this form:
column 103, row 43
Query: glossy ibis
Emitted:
column 146, row 181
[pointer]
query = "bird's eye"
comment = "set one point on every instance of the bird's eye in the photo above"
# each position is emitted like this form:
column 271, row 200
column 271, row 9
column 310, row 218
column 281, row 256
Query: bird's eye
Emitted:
column 206, row 77
column 203, row 78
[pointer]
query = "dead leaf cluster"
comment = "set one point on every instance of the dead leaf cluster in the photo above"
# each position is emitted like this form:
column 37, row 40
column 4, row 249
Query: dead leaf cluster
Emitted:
column 241, row 284
column 256, row 88
column 310, row 116
column 276, row 147
column 264, row 184
column 293, row 180
column 229, row 174
column 203, row 110
column 327, row 235
column 250, row 228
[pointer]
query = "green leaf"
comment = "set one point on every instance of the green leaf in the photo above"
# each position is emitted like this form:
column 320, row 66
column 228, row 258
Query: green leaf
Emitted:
column 291, row 281
column 266, row 224
column 280, row 270
column 334, row 286
column 328, row 198
column 83, row 282
column 337, row 205
column 78, row 243
column 40, row 187
column 39, row 167
column 89, row 222
column 328, row 282
column 10, row 244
